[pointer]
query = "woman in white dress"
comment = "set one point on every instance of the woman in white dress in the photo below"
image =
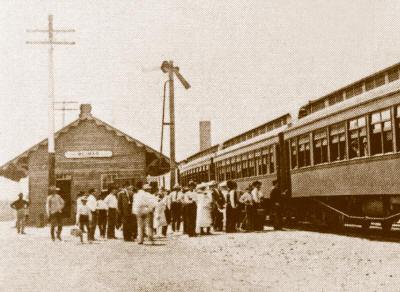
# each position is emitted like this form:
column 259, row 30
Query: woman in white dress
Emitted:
column 160, row 220
column 204, row 209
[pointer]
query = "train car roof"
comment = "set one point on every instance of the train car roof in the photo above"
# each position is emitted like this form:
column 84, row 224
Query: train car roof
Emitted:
column 365, row 97
column 347, row 86
column 248, row 145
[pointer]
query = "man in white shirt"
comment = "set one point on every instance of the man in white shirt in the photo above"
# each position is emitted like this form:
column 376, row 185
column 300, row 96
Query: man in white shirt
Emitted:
column 175, row 205
column 143, row 207
column 258, row 197
column 54, row 206
column 92, row 204
column 83, row 216
column 112, row 203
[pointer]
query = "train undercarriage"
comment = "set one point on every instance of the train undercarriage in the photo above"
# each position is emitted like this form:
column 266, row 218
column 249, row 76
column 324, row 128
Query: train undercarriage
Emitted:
column 335, row 212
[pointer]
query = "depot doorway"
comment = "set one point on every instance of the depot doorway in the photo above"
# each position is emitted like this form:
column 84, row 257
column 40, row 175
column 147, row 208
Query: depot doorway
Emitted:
column 64, row 185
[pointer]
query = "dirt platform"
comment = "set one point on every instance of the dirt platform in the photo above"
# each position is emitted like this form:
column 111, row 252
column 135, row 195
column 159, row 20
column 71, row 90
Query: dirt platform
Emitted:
column 267, row 261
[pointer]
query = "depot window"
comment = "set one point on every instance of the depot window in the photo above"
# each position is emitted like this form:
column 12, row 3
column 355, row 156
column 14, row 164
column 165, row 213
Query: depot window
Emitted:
column 233, row 168
column 304, row 151
column 251, row 164
column 293, row 153
column 320, row 147
column 337, row 140
column 381, row 132
column 358, row 143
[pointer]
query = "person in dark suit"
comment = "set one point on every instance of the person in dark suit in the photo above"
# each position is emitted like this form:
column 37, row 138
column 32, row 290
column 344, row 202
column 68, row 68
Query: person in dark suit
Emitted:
column 276, row 199
column 125, row 201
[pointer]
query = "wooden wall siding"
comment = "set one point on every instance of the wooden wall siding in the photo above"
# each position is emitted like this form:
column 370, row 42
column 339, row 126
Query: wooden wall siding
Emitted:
column 128, row 160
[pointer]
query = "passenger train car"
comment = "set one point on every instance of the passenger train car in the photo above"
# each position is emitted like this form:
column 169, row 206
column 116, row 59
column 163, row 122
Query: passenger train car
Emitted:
column 337, row 162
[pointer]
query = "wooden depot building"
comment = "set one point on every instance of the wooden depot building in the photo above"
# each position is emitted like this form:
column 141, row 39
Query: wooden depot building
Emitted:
column 89, row 154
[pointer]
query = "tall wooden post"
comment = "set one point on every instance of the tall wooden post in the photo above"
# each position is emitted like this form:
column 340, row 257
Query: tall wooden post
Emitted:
column 172, row 125
column 51, row 141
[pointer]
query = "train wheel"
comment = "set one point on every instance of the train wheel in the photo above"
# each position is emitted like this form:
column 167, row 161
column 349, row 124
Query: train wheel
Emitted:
column 386, row 226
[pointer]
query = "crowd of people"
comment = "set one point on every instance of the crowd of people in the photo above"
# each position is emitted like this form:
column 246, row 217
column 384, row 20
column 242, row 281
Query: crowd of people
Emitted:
column 144, row 210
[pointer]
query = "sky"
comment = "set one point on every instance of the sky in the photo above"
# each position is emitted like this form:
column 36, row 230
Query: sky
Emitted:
column 247, row 62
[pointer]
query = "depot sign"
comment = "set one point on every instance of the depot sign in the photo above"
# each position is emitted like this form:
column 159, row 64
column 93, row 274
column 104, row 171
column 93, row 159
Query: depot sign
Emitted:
column 88, row 154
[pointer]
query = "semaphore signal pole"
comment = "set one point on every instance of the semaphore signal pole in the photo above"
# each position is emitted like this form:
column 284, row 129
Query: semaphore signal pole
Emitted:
column 51, row 42
column 168, row 67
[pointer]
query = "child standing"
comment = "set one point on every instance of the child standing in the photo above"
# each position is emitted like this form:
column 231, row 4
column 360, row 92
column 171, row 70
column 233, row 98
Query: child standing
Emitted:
column 84, row 217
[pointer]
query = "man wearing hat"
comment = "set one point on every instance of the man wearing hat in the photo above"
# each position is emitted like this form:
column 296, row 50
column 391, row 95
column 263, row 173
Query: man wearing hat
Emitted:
column 275, row 197
column 20, row 206
column 175, row 205
column 143, row 207
column 54, row 206
column 217, row 206
column 190, row 210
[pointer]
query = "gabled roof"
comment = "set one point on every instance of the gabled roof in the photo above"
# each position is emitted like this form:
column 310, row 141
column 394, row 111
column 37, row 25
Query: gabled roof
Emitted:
column 17, row 168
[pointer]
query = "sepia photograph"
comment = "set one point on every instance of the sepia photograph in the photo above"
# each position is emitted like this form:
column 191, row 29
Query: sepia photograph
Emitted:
column 199, row 145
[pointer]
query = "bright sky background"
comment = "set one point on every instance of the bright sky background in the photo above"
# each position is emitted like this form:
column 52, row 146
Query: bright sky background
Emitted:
column 247, row 62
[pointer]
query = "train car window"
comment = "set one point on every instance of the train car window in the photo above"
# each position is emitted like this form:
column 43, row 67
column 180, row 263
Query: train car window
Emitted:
column 380, row 80
column 374, row 82
column 244, row 165
column 271, row 160
column 358, row 146
column 258, row 162
column 335, row 98
column 338, row 142
column 238, row 167
column 393, row 75
column 251, row 164
column 304, row 151
column 228, row 169
column 320, row 147
column 233, row 168
column 293, row 153
column 381, row 132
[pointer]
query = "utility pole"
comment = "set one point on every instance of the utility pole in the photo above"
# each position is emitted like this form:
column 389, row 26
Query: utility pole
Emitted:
column 168, row 67
column 51, row 42
column 63, row 109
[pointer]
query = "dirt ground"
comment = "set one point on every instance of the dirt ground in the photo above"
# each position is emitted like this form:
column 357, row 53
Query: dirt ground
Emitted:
column 267, row 261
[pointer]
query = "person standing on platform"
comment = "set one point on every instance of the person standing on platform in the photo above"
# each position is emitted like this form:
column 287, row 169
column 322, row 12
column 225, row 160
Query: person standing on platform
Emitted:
column 203, row 214
column 258, row 200
column 217, row 206
column 247, row 200
column 160, row 220
column 84, row 217
column 92, row 204
column 20, row 207
column 231, row 207
column 276, row 200
column 175, row 204
column 54, row 206
column 112, row 204
column 190, row 210
column 102, row 209
column 79, row 197
column 125, row 201
column 143, row 207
